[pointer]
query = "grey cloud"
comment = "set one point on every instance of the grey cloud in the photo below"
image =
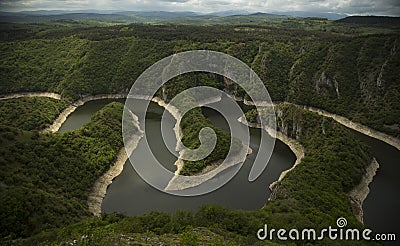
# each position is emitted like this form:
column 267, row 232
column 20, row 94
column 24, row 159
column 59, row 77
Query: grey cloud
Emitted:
column 362, row 4
column 217, row 2
column 174, row 1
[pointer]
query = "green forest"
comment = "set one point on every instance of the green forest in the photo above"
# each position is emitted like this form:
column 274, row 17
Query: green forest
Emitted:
column 46, row 178
column 350, row 69
column 31, row 113
column 313, row 194
column 191, row 124
column 353, row 75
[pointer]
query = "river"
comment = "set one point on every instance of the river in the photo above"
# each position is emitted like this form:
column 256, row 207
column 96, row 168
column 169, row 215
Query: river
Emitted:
column 130, row 195
column 381, row 207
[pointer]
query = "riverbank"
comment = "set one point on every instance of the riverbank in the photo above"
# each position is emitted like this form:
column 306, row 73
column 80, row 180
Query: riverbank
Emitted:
column 360, row 192
column 294, row 146
column 30, row 94
column 180, row 182
column 395, row 142
column 177, row 129
column 99, row 189
column 62, row 117
column 357, row 208
column 356, row 196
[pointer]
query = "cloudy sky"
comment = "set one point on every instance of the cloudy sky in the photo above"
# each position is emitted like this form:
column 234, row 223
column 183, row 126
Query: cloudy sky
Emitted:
column 364, row 7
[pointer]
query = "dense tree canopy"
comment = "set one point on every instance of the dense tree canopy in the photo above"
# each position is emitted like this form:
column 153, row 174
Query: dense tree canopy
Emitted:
column 352, row 75
column 45, row 178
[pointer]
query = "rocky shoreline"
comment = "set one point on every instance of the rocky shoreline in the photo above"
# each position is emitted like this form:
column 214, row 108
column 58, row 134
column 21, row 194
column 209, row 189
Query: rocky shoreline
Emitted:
column 31, row 94
column 395, row 142
column 177, row 130
column 294, row 146
column 360, row 192
column 99, row 189
column 179, row 182
column 62, row 117
column 357, row 195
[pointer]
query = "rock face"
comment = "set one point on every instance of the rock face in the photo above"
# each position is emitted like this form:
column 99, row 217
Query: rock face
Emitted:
column 324, row 83
column 294, row 146
column 380, row 82
column 288, row 130
column 358, row 194
column 292, row 129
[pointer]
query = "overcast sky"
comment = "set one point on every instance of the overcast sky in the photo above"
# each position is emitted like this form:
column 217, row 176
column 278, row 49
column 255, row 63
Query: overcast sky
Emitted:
column 364, row 7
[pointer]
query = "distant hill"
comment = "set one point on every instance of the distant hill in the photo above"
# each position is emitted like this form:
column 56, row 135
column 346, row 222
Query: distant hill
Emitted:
column 329, row 16
column 230, row 12
column 29, row 18
column 59, row 12
column 225, row 17
column 160, row 14
column 371, row 20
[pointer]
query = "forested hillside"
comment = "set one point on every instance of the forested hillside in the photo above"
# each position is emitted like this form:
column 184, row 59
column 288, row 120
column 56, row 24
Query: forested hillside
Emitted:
column 30, row 113
column 314, row 194
column 352, row 75
column 46, row 178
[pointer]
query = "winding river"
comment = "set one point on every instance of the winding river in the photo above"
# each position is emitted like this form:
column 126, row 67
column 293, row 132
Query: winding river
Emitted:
column 131, row 195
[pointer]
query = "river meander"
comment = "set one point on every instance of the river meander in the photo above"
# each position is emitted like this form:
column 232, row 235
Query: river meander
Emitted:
column 130, row 195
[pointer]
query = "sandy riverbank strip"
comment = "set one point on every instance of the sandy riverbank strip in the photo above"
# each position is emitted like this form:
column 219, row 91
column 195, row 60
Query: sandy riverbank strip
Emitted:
column 294, row 146
column 360, row 192
column 30, row 94
column 177, row 129
column 180, row 182
column 62, row 117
